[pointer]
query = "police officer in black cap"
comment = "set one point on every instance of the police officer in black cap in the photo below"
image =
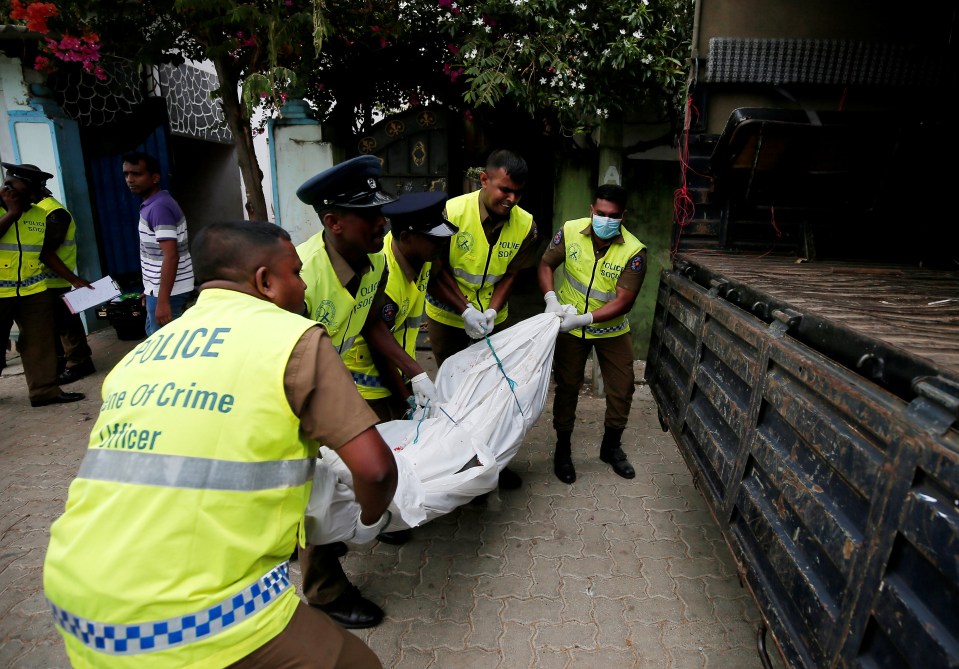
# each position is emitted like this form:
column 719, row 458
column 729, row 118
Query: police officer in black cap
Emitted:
column 418, row 231
column 32, row 226
column 345, row 274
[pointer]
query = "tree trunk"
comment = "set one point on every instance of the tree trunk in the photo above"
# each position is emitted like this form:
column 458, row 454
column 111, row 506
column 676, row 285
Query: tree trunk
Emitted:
column 239, row 123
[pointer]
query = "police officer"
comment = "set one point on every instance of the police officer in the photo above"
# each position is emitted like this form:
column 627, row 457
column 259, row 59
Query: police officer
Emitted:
column 345, row 274
column 173, row 549
column 74, row 356
column 604, row 269
column 468, row 292
column 417, row 232
column 29, row 225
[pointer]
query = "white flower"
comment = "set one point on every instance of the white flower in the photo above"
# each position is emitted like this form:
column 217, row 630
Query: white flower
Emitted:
column 582, row 6
column 595, row 26
column 582, row 86
column 638, row 34
column 542, row 81
column 622, row 31
column 647, row 59
column 477, row 21
column 572, row 100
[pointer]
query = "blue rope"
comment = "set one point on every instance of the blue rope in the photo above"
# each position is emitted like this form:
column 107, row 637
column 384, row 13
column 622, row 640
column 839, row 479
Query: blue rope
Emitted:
column 412, row 412
column 511, row 382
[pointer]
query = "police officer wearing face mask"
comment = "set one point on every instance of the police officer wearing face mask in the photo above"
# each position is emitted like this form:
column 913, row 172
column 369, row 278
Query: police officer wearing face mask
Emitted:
column 604, row 269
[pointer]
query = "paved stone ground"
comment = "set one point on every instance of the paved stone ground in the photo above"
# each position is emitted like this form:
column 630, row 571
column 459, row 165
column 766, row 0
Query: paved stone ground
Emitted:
column 606, row 573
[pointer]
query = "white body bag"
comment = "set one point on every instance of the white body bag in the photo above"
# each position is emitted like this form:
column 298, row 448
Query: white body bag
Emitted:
column 491, row 394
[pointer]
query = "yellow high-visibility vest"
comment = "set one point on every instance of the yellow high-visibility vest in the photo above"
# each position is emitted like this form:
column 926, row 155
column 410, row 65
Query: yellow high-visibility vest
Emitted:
column 173, row 548
column 21, row 271
column 409, row 299
column 328, row 301
column 478, row 266
column 590, row 282
column 67, row 251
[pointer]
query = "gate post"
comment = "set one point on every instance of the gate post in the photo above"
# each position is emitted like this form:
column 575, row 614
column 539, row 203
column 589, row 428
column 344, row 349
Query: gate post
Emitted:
column 297, row 152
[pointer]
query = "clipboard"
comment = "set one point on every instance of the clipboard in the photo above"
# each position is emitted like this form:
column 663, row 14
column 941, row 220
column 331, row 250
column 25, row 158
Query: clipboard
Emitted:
column 100, row 291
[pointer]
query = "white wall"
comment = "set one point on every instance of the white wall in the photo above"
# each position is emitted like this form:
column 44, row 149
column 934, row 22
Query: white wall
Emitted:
column 299, row 153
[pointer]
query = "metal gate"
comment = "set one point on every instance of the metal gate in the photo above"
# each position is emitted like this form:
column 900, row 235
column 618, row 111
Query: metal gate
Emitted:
column 414, row 150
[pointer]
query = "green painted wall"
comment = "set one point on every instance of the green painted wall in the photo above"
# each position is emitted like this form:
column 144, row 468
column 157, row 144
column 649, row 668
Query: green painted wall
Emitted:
column 649, row 216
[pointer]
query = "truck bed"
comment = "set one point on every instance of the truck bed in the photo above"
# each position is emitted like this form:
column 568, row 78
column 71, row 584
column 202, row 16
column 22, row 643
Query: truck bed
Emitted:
column 817, row 406
column 913, row 310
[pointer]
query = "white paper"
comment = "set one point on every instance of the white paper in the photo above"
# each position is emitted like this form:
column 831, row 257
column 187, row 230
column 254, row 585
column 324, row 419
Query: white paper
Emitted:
column 100, row 291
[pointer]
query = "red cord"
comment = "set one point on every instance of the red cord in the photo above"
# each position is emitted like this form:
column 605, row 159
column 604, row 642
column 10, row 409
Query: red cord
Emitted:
column 772, row 219
column 684, row 209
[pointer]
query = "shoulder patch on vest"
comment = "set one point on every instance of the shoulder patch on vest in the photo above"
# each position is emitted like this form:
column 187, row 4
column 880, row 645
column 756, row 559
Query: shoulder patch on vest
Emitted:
column 636, row 264
column 557, row 238
column 388, row 314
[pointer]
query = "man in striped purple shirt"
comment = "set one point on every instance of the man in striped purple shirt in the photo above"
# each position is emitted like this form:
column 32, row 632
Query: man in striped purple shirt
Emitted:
column 164, row 245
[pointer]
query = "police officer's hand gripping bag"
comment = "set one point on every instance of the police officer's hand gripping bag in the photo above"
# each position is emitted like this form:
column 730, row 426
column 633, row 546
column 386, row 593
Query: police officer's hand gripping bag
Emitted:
column 452, row 452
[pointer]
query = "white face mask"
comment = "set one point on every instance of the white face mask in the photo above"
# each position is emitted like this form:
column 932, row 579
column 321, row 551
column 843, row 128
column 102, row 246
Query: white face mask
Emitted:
column 606, row 227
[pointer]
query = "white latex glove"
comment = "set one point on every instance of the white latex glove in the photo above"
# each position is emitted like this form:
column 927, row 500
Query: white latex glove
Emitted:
column 552, row 303
column 574, row 321
column 474, row 322
column 490, row 319
column 366, row 533
column 424, row 390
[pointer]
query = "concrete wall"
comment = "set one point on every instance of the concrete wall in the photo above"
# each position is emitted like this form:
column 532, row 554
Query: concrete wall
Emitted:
column 297, row 152
column 205, row 182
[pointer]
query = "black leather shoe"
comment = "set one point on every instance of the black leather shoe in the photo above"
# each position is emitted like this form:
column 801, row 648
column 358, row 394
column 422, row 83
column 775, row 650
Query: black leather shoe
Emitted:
column 77, row 372
column 353, row 611
column 62, row 398
column 509, row 480
column 397, row 538
column 617, row 460
column 563, row 468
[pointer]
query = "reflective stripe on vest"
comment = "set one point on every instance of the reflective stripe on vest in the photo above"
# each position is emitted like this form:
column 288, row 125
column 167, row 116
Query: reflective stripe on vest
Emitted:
column 477, row 279
column 585, row 291
column 178, row 471
column 137, row 638
column 476, row 264
column 328, row 301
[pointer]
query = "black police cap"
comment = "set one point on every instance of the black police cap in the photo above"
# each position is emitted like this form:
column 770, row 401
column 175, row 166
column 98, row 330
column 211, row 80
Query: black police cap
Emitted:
column 420, row 212
column 30, row 173
column 351, row 184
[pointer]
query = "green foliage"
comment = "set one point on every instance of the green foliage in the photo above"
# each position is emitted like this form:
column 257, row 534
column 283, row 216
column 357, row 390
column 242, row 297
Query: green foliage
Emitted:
column 578, row 62
column 568, row 61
